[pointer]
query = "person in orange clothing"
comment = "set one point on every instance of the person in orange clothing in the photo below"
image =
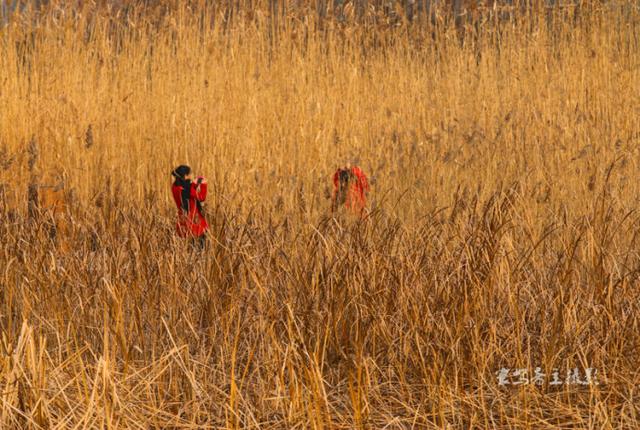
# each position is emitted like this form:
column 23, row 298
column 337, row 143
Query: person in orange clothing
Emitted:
column 350, row 188
column 188, row 196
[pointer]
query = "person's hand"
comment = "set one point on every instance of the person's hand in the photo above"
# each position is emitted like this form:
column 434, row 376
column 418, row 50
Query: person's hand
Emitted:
column 201, row 180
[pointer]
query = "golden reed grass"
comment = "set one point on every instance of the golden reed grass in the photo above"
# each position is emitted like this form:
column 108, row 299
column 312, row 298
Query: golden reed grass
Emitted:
column 502, row 234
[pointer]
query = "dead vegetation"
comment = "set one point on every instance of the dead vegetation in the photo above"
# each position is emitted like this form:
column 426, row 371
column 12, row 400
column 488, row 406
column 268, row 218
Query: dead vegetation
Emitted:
column 503, row 225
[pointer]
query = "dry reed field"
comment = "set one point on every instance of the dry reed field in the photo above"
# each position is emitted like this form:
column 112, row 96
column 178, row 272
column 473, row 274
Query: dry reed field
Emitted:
column 503, row 148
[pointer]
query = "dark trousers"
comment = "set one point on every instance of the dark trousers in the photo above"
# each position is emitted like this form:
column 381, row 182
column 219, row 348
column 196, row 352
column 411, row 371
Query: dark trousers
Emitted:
column 199, row 243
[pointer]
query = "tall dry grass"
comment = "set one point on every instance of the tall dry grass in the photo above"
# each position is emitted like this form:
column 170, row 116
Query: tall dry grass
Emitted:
column 503, row 227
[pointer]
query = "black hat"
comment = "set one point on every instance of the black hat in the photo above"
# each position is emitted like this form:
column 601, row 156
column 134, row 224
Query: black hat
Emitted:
column 181, row 171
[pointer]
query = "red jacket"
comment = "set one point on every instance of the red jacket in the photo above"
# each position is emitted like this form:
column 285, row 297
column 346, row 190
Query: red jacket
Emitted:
column 193, row 223
column 354, row 197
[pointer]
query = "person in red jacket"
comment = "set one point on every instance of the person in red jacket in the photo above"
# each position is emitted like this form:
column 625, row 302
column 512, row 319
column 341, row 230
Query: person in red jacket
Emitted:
column 188, row 196
column 350, row 188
